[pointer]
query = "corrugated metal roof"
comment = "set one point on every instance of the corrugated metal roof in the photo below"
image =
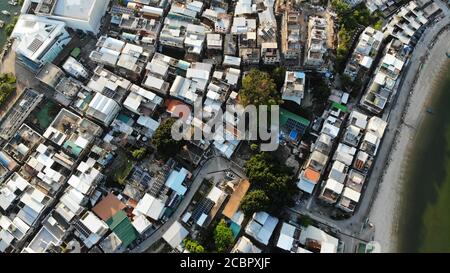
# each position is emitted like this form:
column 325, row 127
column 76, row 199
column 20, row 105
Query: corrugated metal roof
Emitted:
column 121, row 225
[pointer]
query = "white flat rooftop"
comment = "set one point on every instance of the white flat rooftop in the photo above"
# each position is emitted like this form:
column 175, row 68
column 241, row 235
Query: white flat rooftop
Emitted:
column 78, row 9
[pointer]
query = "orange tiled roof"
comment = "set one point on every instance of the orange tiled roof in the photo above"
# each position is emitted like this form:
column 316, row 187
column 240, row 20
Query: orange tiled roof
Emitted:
column 236, row 198
column 172, row 104
column 108, row 207
column 312, row 175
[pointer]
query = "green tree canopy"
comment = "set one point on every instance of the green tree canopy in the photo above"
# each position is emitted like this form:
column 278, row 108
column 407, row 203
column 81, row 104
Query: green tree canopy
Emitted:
column 193, row 246
column 258, row 88
column 166, row 146
column 279, row 74
column 139, row 153
column 7, row 78
column 223, row 236
column 255, row 201
column 320, row 89
column 351, row 86
column 305, row 220
column 257, row 168
column 7, row 86
column 10, row 27
column 267, row 174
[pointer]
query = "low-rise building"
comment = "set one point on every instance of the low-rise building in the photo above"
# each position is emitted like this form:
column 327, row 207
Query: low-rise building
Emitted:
column 318, row 241
column 185, row 90
column 71, row 132
column 128, row 59
column 294, row 86
column 17, row 114
column 385, row 78
column 40, row 40
column 288, row 239
column 47, row 168
column 195, row 39
column 331, row 191
column 261, row 227
column 49, row 237
column 142, row 101
column 90, row 229
column 291, row 43
column 31, row 205
column 374, row 134
column 109, row 84
column 316, row 44
column 173, row 33
column 308, row 179
column 175, row 235
column 352, row 191
column 151, row 207
column 11, row 232
column 214, row 41
column 365, row 52
column 405, row 23
column 244, row 245
column 23, row 143
column 11, row 190
column 147, row 28
column 103, row 109
column 75, row 69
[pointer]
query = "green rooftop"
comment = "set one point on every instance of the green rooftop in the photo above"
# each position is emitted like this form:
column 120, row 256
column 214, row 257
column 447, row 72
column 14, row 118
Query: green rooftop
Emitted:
column 75, row 52
column 285, row 115
column 339, row 106
column 121, row 225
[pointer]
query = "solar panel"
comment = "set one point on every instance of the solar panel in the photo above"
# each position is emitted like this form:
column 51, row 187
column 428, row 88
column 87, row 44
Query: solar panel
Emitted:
column 205, row 207
column 80, row 227
column 35, row 45
column 293, row 125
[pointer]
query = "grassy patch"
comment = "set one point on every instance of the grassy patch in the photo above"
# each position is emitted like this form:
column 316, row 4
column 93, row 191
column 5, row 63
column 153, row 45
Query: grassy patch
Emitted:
column 7, row 86
column 123, row 171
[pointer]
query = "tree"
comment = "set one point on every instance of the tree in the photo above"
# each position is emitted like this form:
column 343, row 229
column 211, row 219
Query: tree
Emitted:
column 258, row 88
column 223, row 236
column 7, row 78
column 279, row 74
column 281, row 191
column 258, row 168
column 254, row 147
column 306, row 221
column 340, row 7
column 378, row 24
column 122, row 172
column 10, row 27
column 270, row 176
column 5, row 90
column 351, row 86
column 255, row 201
column 139, row 153
column 165, row 144
column 193, row 246
column 321, row 91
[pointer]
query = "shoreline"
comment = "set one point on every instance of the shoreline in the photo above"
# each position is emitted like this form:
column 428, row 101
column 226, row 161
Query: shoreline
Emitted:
column 388, row 202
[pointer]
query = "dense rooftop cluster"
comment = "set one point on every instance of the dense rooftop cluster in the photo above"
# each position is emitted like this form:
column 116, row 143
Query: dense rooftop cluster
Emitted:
column 79, row 167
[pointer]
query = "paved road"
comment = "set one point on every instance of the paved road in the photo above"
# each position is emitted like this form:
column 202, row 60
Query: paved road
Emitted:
column 354, row 225
column 213, row 165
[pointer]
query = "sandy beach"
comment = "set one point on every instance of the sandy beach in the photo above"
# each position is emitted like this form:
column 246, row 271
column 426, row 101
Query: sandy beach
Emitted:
column 384, row 212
